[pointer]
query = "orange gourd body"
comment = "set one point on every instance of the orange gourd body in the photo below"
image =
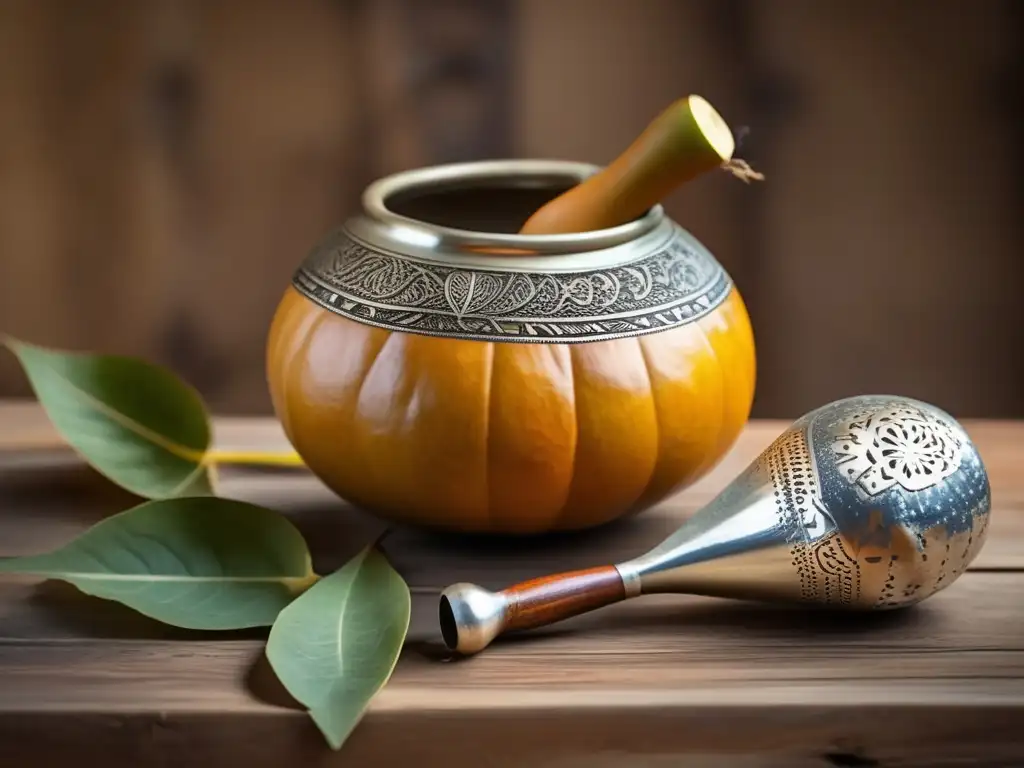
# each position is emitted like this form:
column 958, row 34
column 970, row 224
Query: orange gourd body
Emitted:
column 503, row 436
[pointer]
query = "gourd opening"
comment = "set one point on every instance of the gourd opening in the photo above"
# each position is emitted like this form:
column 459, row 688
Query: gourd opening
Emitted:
column 479, row 207
column 494, row 205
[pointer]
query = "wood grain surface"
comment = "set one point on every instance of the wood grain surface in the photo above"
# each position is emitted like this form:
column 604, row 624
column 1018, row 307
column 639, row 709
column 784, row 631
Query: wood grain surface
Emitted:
column 657, row 681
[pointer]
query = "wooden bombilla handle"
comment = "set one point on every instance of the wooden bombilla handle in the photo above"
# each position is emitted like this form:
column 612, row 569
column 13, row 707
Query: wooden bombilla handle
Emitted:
column 471, row 617
column 686, row 140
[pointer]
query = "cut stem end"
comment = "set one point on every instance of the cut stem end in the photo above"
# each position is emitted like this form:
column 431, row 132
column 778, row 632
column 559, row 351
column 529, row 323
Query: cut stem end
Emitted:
column 712, row 126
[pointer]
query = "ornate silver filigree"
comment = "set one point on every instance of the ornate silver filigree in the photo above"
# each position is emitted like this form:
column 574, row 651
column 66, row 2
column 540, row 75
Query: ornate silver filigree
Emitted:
column 673, row 285
column 897, row 446
column 826, row 570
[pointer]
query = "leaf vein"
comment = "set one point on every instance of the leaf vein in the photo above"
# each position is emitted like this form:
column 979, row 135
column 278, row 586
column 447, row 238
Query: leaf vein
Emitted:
column 171, row 446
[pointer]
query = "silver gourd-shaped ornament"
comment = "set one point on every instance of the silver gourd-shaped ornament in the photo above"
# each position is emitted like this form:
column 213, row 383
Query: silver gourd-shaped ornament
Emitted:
column 869, row 503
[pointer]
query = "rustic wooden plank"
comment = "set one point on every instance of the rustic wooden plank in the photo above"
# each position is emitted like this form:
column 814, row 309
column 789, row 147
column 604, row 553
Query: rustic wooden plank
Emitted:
column 650, row 642
column 29, row 186
column 29, row 489
column 602, row 731
column 37, row 514
column 661, row 679
column 24, row 426
column 274, row 149
column 87, row 201
column 459, row 88
column 169, row 162
column 73, row 498
column 867, row 214
column 642, row 674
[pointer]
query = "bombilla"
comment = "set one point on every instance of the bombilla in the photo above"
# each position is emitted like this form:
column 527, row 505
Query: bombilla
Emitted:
column 868, row 503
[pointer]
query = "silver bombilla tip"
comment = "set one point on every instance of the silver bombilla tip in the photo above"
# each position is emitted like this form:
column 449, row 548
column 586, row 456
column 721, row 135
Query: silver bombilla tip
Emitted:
column 471, row 617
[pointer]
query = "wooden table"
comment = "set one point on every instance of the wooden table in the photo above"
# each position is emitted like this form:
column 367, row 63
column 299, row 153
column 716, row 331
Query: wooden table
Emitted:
column 667, row 681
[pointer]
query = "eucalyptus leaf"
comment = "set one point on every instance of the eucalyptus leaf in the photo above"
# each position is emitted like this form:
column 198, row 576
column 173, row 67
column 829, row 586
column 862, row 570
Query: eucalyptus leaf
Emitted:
column 336, row 646
column 134, row 422
column 200, row 563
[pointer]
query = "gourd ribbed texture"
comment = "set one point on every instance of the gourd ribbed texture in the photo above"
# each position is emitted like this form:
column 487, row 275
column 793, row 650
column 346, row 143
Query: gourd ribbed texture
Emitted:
column 508, row 437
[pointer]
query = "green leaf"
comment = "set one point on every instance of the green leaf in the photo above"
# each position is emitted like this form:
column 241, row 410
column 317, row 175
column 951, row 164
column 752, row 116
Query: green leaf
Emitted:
column 134, row 422
column 200, row 563
column 336, row 646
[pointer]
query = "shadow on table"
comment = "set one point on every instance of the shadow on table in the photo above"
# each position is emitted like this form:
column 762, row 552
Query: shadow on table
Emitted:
column 757, row 621
column 72, row 492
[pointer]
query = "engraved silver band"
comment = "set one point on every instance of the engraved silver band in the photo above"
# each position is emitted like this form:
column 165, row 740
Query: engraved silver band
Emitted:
column 391, row 271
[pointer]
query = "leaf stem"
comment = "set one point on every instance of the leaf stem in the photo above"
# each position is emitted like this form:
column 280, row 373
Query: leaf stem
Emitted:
column 265, row 458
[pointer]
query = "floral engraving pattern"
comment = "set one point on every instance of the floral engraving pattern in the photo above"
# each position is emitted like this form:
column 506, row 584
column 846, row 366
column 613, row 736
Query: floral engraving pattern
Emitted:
column 898, row 446
column 672, row 286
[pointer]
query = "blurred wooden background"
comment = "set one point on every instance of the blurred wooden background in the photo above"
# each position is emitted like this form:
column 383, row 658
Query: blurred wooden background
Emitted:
column 165, row 164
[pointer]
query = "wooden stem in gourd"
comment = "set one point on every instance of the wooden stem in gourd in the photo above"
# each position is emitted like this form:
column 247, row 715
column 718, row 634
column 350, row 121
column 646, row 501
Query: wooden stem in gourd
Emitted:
column 686, row 140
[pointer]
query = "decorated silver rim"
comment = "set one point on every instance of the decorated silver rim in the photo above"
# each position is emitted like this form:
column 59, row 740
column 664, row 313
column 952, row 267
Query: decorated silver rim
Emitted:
column 388, row 270
column 453, row 240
